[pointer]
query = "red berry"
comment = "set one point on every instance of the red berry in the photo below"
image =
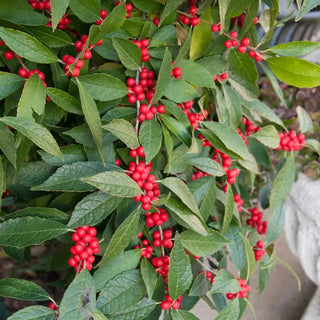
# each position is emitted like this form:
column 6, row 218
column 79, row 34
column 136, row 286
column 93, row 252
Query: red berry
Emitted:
column 103, row 14
column 87, row 54
column 214, row 28
column 193, row 10
column 242, row 49
column 245, row 42
column 144, row 43
column 9, row 55
column 165, row 305
column 228, row 44
column 195, row 21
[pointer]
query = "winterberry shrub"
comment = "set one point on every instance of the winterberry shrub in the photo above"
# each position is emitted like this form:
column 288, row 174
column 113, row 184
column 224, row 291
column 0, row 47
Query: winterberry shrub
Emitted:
column 135, row 150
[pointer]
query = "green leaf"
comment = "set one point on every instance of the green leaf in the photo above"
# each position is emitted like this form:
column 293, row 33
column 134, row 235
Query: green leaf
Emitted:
column 276, row 224
column 274, row 83
column 286, row 264
column 225, row 282
column 122, row 237
column 33, row 97
column 201, row 36
column 230, row 312
column 93, row 209
column 268, row 135
column 35, row 132
column 129, row 260
column 121, row 292
column 182, row 315
column 250, row 266
column 103, row 87
column 7, row 144
column 91, row 113
column 186, row 217
column 150, row 7
column 236, row 248
column 21, row 232
column 171, row 5
column 123, row 130
column 150, row 136
column 177, row 112
column 237, row 8
column 313, row 144
column 305, row 121
column 178, row 187
column 208, row 201
column 114, row 183
column 67, row 178
column 129, row 53
column 223, row 8
column 228, row 211
column 149, row 276
column 58, row 9
column 85, row 10
column 177, row 129
column 138, row 311
column 232, row 102
column 111, row 23
column 207, row 165
column 98, row 315
column 195, row 73
column 180, row 273
column 40, row 212
column 179, row 91
column 79, row 300
column 9, row 82
column 163, row 77
column 22, row 290
column 295, row 71
column 295, row 48
column 34, row 312
column 200, row 285
column 214, row 64
column 64, row 100
column 202, row 245
column 306, row 6
column 27, row 46
column 2, row 181
column 282, row 184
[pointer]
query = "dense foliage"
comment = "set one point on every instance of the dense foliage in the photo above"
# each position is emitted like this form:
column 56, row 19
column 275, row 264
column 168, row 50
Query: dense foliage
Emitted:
column 133, row 143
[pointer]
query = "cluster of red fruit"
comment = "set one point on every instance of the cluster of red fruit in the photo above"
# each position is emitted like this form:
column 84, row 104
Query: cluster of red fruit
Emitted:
column 176, row 72
column 86, row 246
column 256, row 221
column 168, row 303
column 156, row 218
column 24, row 73
column 63, row 22
column 209, row 275
column 259, row 250
column 164, row 240
column 129, row 8
column 205, row 142
column 146, row 113
column 226, row 162
column 194, row 21
column 147, row 249
column 161, row 264
column 243, row 293
column 249, row 127
column 193, row 117
column 143, row 46
column 199, row 174
column 40, row 5
column 220, row 77
column 216, row 27
column 291, row 141
column 103, row 15
column 238, row 201
column 142, row 90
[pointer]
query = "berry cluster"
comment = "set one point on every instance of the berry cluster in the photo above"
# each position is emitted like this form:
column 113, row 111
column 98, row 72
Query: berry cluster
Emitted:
column 209, row 275
column 243, row 293
column 205, row 142
column 249, row 127
column 291, row 141
column 193, row 117
column 143, row 45
column 226, row 162
column 161, row 264
column 220, row 77
column 168, row 303
column 216, row 27
column 63, row 22
column 24, row 73
column 259, row 250
column 238, row 201
column 147, row 113
column 256, row 221
column 129, row 8
column 40, row 5
column 103, row 15
column 156, row 219
column 165, row 241
column 199, row 174
column 176, row 72
column 86, row 246
column 147, row 249
column 142, row 90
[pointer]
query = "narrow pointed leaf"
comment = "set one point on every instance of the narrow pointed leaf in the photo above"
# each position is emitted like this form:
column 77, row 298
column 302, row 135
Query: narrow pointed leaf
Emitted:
column 149, row 276
column 9, row 82
column 225, row 282
column 250, row 266
column 34, row 312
